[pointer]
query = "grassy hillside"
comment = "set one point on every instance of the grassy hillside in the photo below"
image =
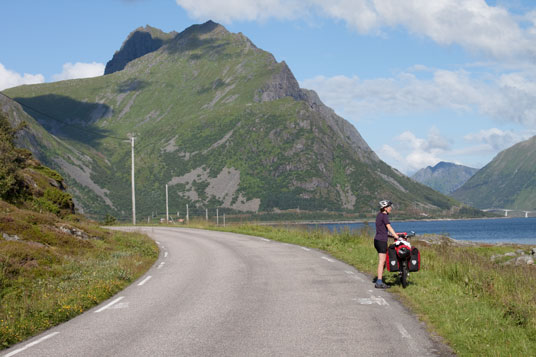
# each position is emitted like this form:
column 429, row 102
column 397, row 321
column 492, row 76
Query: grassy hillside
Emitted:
column 508, row 181
column 53, row 264
column 221, row 122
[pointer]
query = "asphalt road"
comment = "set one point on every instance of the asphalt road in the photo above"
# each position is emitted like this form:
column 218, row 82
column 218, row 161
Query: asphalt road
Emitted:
column 223, row 294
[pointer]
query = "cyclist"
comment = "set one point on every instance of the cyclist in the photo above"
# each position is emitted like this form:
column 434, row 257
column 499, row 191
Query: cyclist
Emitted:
column 383, row 227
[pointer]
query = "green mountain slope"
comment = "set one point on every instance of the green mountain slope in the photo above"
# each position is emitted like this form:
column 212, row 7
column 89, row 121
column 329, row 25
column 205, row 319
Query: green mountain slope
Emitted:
column 444, row 177
column 218, row 120
column 508, row 181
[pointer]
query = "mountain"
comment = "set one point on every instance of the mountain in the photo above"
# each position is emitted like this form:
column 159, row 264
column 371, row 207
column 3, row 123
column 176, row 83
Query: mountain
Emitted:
column 217, row 119
column 508, row 181
column 444, row 177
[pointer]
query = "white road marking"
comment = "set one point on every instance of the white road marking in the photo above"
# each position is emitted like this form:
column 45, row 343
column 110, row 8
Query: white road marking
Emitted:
column 165, row 254
column 307, row 249
column 110, row 304
column 355, row 277
column 121, row 305
column 405, row 334
column 144, row 280
column 349, row 272
column 161, row 265
column 403, row 331
column 157, row 242
column 32, row 344
column 372, row 300
column 264, row 239
column 328, row 259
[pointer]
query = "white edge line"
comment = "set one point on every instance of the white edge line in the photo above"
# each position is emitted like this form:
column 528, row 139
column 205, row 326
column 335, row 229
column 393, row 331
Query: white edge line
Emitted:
column 264, row 239
column 328, row 259
column 144, row 280
column 349, row 272
column 307, row 249
column 165, row 254
column 32, row 344
column 110, row 304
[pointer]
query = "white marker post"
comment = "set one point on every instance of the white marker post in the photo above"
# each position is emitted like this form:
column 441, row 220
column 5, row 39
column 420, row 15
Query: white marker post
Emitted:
column 133, row 191
column 167, row 205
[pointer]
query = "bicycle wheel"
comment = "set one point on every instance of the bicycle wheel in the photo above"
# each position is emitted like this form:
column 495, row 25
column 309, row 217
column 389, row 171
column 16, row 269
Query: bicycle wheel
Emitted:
column 404, row 274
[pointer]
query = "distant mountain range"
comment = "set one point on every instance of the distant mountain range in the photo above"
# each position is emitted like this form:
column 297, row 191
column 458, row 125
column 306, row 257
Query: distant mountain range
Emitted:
column 508, row 181
column 218, row 120
column 444, row 177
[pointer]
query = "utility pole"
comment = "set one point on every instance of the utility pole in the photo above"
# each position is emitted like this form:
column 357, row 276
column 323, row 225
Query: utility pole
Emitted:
column 217, row 217
column 187, row 214
column 133, row 190
column 167, row 206
column 206, row 214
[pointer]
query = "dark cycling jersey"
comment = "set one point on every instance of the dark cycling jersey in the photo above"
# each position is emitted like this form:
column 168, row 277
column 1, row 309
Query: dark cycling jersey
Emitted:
column 382, row 220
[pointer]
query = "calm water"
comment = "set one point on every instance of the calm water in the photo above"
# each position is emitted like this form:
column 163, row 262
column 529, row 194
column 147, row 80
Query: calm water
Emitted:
column 513, row 230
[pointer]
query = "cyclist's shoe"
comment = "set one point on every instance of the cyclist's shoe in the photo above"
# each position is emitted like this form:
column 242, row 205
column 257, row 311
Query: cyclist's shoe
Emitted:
column 375, row 279
column 381, row 285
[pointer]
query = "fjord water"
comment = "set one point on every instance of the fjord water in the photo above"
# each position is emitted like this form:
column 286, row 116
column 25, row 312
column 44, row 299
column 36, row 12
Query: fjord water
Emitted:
column 499, row 230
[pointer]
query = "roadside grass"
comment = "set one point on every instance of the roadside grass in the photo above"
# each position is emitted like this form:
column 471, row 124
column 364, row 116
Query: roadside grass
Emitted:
column 477, row 306
column 48, row 276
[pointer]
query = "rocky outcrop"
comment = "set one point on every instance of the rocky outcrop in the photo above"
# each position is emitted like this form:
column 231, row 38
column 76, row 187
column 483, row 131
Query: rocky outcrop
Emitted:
column 282, row 84
column 519, row 257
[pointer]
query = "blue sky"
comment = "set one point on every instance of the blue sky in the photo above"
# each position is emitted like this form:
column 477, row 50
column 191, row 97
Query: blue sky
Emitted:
column 422, row 81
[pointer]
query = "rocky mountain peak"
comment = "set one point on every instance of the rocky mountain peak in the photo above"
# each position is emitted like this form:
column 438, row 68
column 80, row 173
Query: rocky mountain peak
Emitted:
column 148, row 39
column 200, row 29
column 139, row 42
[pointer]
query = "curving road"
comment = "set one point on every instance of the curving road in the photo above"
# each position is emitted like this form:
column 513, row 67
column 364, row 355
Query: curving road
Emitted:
column 222, row 294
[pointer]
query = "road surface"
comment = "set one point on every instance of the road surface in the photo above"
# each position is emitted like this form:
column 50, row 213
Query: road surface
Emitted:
column 223, row 294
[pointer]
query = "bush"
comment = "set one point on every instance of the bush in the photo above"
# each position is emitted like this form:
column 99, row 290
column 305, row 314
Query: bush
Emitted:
column 61, row 199
column 11, row 161
column 109, row 220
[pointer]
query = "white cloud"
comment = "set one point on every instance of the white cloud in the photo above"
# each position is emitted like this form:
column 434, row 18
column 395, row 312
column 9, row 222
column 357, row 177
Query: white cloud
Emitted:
column 79, row 70
column 472, row 24
column 411, row 153
column 10, row 79
column 495, row 139
column 510, row 97
column 231, row 10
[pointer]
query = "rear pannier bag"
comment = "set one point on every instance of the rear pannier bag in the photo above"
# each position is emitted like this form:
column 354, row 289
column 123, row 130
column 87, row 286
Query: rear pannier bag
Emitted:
column 392, row 261
column 415, row 260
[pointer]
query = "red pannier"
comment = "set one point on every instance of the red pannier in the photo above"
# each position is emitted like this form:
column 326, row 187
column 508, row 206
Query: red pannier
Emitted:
column 392, row 260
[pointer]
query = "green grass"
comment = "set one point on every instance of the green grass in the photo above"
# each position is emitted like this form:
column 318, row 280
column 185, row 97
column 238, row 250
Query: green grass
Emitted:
column 477, row 306
column 47, row 276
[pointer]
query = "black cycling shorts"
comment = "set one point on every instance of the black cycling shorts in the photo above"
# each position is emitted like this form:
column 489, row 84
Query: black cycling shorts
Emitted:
column 381, row 246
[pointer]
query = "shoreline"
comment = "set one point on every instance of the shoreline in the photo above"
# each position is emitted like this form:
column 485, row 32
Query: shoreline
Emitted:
column 368, row 221
column 477, row 240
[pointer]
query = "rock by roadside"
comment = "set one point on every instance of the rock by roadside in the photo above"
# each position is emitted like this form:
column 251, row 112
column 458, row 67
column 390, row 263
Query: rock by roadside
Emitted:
column 519, row 257
column 439, row 239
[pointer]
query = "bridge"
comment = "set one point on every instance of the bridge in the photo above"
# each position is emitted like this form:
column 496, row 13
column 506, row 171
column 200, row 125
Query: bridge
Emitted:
column 506, row 210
